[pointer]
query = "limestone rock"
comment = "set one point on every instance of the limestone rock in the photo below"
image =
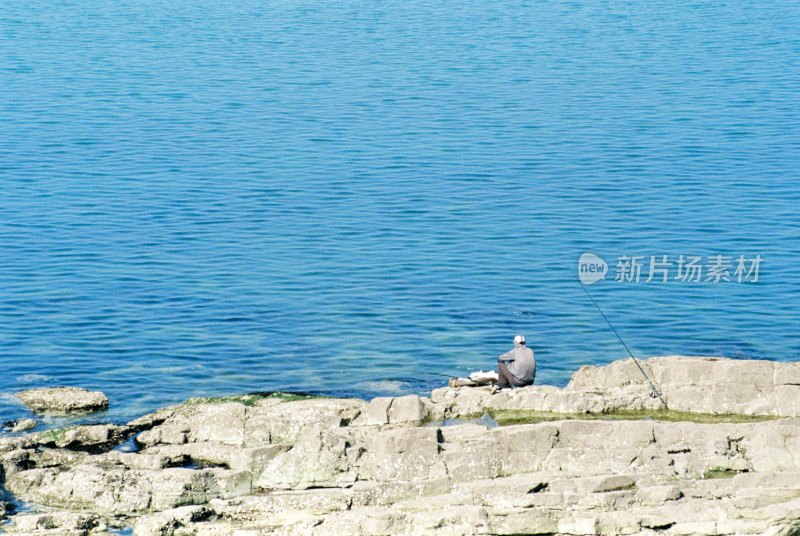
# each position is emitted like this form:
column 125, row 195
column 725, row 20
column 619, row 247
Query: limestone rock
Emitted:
column 376, row 412
column 147, row 422
column 21, row 425
column 605, row 484
column 402, row 455
column 524, row 521
column 461, row 401
column 121, row 490
column 470, row 452
column 284, row 423
column 200, row 422
column 287, row 507
column 408, row 410
column 172, row 521
column 656, row 495
column 321, row 458
column 83, row 437
column 219, row 455
column 690, row 384
column 331, row 466
column 702, row 384
column 267, row 422
column 58, row 523
column 63, row 400
column 373, row 493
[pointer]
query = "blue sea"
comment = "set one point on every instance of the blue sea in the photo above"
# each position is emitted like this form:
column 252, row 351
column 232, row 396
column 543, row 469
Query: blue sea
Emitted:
column 361, row 198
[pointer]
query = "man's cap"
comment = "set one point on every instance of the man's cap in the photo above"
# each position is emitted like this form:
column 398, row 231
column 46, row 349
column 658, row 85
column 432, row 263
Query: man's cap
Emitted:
column 519, row 339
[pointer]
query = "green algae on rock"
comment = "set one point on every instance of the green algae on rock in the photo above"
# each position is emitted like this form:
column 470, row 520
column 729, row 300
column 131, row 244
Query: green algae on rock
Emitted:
column 509, row 417
column 250, row 399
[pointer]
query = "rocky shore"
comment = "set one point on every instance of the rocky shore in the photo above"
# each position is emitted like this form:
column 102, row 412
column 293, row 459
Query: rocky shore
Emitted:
column 598, row 457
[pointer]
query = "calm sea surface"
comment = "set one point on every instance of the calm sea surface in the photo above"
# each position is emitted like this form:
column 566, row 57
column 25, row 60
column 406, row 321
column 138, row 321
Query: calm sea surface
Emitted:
column 200, row 198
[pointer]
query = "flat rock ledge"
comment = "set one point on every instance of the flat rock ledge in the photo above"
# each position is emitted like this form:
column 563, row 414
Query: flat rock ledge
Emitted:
column 598, row 457
column 20, row 425
column 63, row 400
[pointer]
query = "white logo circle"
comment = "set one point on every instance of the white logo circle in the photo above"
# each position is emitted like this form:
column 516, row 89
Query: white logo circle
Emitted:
column 591, row 268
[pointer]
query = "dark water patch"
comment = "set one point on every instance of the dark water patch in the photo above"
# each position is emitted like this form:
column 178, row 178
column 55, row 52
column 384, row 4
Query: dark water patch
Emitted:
column 720, row 472
column 486, row 420
column 203, row 464
column 14, row 505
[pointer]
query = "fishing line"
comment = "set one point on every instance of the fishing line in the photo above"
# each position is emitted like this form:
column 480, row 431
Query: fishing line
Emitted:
column 654, row 393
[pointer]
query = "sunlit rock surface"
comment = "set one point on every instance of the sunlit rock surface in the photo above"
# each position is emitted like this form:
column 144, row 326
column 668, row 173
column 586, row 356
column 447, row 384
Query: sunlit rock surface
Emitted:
column 597, row 457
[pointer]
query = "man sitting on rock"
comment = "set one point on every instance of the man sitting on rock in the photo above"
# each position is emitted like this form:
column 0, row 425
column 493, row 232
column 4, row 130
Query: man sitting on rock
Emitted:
column 517, row 367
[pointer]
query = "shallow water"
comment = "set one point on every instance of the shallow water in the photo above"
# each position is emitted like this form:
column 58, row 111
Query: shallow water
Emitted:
column 204, row 198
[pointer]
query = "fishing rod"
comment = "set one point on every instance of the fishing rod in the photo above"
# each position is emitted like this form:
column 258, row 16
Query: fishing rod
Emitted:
column 439, row 374
column 654, row 392
column 423, row 372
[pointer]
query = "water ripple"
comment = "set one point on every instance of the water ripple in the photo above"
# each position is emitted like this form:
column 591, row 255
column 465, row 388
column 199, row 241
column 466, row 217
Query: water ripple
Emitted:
column 344, row 198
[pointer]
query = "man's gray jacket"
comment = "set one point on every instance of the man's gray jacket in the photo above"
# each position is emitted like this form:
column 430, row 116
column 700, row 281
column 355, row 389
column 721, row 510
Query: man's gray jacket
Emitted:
column 521, row 363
